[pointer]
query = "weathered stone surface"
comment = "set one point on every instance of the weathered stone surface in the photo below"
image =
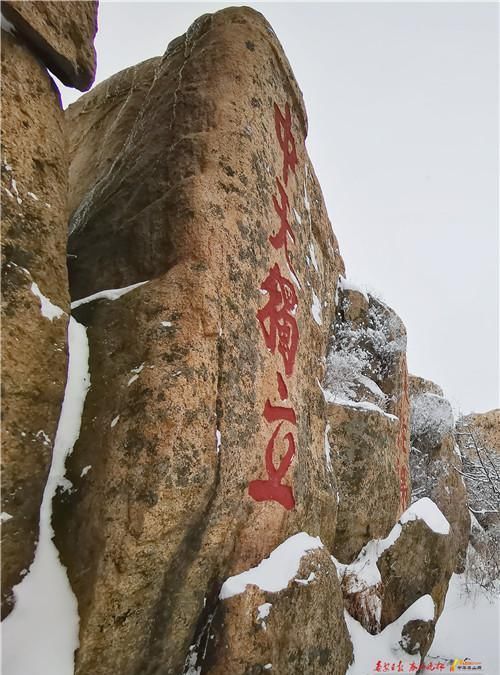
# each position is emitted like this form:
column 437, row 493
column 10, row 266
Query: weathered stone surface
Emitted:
column 435, row 463
column 486, row 426
column 419, row 385
column 368, row 433
column 34, row 230
column 167, row 515
column 390, row 575
column 419, row 563
column 98, row 125
column 312, row 601
column 363, row 444
column 60, row 33
column 417, row 636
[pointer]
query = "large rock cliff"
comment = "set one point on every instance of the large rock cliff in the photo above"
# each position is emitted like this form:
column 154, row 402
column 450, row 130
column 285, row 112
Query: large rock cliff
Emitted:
column 35, row 295
column 218, row 446
column 240, row 490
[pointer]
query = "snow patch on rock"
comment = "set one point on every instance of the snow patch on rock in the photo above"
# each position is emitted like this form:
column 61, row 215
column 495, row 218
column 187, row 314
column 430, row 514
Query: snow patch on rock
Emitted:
column 316, row 309
column 275, row 572
column 47, row 308
column 369, row 649
column 312, row 254
column 111, row 294
column 425, row 509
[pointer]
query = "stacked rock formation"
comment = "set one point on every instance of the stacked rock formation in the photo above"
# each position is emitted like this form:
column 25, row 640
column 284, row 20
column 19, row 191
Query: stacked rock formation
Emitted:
column 35, row 296
column 245, row 442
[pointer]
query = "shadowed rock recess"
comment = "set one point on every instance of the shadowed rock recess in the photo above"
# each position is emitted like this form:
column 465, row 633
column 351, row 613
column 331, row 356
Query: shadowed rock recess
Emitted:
column 245, row 441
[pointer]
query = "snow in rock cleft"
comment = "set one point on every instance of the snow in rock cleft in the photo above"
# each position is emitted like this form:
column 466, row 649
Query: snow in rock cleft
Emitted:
column 40, row 635
column 110, row 294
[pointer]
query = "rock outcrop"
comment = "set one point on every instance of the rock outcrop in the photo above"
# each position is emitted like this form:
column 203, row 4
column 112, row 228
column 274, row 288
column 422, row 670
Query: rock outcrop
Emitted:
column 205, row 395
column 35, row 295
column 485, row 427
column 60, row 34
column 436, row 464
column 367, row 432
column 35, row 298
column 248, row 413
column 389, row 575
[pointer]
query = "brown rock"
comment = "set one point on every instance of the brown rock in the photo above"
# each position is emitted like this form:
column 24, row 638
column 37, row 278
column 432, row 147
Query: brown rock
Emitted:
column 419, row 563
column 60, row 33
column 486, row 426
column 418, row 385
column 311, row 601
column 363, row 444
column 98, row 124
column 169, row 513
column 366, row 382
column 34, row 181
column 390, row 575
column 436, row 465
column 417, row 636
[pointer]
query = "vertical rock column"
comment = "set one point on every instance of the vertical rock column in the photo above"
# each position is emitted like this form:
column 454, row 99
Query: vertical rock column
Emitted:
column 205, row 402
column 35, row 296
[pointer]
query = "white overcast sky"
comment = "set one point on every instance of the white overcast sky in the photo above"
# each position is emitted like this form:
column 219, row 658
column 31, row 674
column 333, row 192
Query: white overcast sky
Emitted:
column 402, row 100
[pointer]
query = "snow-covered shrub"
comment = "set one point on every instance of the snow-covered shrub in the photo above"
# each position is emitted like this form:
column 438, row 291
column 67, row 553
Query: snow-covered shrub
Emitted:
column 362, row 352
column 343, row 370
column 431, row 418
column 483, row 559
column 481, row 472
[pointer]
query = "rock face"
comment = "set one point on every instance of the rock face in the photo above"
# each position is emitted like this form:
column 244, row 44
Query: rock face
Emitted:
column 486, row 426
column 205, row 395
column 389, row 575
column 265, row 617
column 435, row 461
column 35, row 299
column 478, row 437
column 367, row 433
column 60, row 34
column 97, row 126
column 35, row 295
column 419, row 563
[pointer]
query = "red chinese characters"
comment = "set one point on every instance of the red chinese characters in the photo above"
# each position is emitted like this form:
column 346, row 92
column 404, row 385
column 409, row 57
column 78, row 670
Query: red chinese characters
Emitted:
column 272, row 488
column 402, row 445
column 280, row 239
column 283, row 126
column 277, row 322
column 281, row 335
